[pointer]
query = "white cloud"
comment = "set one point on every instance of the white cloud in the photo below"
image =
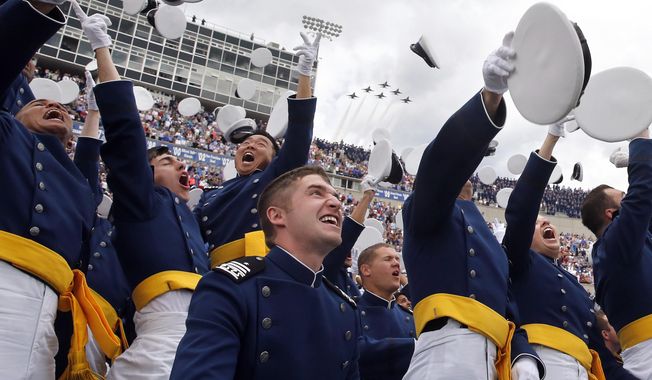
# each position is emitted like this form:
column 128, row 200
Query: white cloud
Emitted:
column 374, row 47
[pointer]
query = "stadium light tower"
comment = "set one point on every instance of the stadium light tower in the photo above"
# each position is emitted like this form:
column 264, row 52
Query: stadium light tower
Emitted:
column 327, row 29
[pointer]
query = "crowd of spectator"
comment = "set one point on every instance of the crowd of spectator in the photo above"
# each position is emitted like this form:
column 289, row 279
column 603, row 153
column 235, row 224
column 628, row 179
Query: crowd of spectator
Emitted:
column 556, row 199
column 575, row 252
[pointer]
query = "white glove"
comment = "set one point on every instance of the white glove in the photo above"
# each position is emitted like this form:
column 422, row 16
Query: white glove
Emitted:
column 498, row 66
column 368, row 183
column 307, row 53
column 91, row 104
column 95, row 27
column 499, row 230
column 525, row 368
column 557, row 129
column 620, row 158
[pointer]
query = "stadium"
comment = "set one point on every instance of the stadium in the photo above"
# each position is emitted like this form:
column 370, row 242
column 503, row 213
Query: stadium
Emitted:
column 209, row 63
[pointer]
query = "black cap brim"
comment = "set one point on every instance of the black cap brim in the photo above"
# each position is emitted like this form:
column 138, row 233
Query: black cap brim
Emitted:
column 396, row 174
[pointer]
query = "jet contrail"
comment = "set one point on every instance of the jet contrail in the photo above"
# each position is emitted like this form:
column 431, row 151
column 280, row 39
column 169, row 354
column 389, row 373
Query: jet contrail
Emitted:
column 353, row 117
column 342, row 121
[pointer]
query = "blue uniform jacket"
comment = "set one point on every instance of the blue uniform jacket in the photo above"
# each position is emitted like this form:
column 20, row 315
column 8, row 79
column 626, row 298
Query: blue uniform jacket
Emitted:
column 545, row 292
column 268, row 318
column 448, row 247
column 104, row 272
column 45, row 197
column 334, row 269
column 388, row 338
column 155, row 231
column 17, row 95
column 622, row 256
column 228, row 212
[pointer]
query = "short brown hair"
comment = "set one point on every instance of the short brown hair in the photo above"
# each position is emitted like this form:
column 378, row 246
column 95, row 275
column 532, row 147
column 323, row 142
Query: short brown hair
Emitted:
column 156, row 151
column 593, row 206
column 277, row 194
column 601, row 320
column 369, row 254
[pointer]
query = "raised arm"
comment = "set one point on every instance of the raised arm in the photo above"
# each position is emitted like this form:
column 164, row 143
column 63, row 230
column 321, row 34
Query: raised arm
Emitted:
column 627, row 233
column 87, row 153
column 352, row 227
column 449, row 161
column 301, row 112
column 24, row 28
column 523, row 206
column 124, row 153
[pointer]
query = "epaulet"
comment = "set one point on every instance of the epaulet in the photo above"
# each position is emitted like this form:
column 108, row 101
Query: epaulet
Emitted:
column 339, row 292
column 242, row 268
column 211, row 188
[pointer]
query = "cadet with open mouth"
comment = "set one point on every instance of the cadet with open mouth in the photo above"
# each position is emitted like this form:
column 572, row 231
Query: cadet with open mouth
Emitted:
column 227, row 214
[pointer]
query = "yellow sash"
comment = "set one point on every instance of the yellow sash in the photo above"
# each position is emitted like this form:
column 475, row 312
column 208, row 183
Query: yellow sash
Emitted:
column 74, row 296
column 112, row 318
column 477, row 316
column 635, row 332
column 253, row 244
column 564, row 341
column 161, row 283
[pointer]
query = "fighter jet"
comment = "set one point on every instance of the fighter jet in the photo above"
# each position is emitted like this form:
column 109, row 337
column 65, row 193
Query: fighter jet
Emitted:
column 380, row 96
column 384, row 85
column 352, row 96
column 397, row 92
column 367, row 90
column 406, row 100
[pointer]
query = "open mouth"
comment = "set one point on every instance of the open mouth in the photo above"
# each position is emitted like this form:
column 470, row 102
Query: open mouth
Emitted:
column 183, row 180
column 248, row 157
column 548, row 233
column 53, row 114
column 396, row 273
column 329, row 219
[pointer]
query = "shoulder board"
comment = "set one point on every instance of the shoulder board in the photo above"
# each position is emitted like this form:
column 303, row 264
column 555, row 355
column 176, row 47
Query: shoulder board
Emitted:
column 210, row 188
column 339, row 292
column 242, row 268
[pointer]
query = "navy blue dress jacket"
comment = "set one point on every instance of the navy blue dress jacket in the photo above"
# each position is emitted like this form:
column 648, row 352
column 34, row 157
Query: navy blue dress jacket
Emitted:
column 268, row 318
column 155, row 231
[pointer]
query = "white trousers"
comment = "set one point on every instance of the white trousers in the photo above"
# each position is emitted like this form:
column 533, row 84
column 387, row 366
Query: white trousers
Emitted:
column 560, row 366
column 160, row 325
column 94, row 355
column 638, row 360
column 28, row 309
column 452, row 353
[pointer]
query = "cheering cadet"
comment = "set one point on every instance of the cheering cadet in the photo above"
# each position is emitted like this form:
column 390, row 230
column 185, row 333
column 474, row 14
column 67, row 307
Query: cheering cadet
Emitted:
column 156, row 236
column 277, row 317
column 555, row 310
column 383, row 320
column 228, row 216
column 45, row 198
column 458, row 271
column 622, row 256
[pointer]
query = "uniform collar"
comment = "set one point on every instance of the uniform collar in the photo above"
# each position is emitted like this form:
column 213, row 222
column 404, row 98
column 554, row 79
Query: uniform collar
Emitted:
column 376, row 300
column 295, row 268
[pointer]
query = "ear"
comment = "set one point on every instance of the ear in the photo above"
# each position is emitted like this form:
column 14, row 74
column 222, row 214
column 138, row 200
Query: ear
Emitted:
column 276, row 216
column 605, row 334
column 365, row 270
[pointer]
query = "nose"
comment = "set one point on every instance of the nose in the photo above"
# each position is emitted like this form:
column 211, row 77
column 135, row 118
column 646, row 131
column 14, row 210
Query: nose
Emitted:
column 334, row 202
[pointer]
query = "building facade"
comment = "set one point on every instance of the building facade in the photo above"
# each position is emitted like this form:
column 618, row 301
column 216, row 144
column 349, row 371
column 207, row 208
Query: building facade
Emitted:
column 206, row 63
